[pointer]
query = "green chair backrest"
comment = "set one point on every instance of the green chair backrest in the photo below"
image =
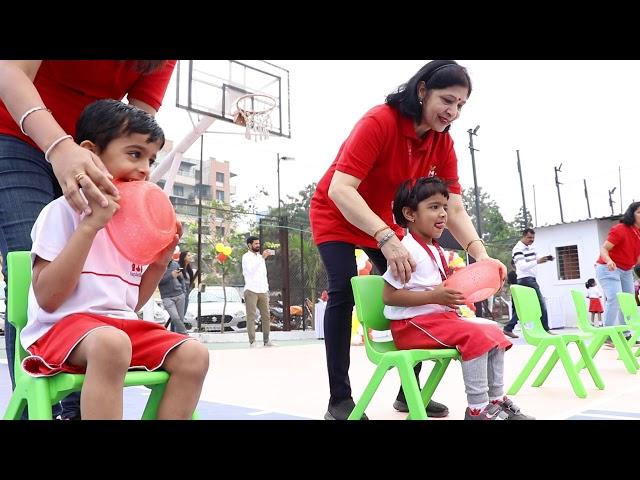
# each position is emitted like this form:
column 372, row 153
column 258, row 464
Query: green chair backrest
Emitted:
column 367, row 293
column 629, row 308
column 528, row 309
column 581, row 310
column 19, row 273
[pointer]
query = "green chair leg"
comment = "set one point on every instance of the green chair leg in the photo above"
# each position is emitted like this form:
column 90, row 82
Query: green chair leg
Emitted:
column 595, row 375
column 151, row 408
column 370, row 389
column 572, row 373
column 438, row 371
column 526, row 371
column 546, row 370
column 411, row 389
column 38, row 401
column 593, row 348
column 16, row 406
column 625, row 353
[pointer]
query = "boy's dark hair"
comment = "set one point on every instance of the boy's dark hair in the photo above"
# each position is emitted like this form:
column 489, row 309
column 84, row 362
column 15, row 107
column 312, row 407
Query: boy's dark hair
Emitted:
column 527, row 230
column 590, row 283
column 437, row 74
column 105, row 120
column 629, row 216
column 410, row 194
column 636, row 270
column 251, row 239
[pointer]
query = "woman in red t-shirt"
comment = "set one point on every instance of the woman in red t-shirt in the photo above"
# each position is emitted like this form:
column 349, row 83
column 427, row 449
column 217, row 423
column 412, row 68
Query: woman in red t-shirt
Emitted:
column 618, row 255
column 406, row 138
column 39, row 161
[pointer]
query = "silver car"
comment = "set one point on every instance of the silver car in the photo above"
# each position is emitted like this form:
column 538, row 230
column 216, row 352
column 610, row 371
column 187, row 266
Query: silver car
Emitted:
column 212, row 302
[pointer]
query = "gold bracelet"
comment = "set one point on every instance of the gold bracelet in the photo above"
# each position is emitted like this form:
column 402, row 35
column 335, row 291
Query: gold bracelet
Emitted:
column 474, row 240
column 380, row 230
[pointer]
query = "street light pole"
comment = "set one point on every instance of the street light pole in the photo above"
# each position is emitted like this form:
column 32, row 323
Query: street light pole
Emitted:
column 475, row 187
column 284, row 253
column 475, row 178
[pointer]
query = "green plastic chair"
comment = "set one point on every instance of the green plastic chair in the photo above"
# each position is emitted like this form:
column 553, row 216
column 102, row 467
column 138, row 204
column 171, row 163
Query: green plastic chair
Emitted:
column 629, row 309
column 367, row 292
column 40, row 393
column 528, row 309
column 600, row 334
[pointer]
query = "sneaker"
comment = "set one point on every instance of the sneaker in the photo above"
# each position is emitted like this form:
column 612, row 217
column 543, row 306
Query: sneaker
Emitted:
column 609, row 343
column 434, row 409
column 509, row 333
column 269, row 343
column 512, row 410
column 342, row 410
column 490, row 412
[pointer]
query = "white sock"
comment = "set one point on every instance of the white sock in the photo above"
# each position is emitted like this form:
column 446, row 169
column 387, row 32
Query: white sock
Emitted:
column 496, row 399
column 478, row 406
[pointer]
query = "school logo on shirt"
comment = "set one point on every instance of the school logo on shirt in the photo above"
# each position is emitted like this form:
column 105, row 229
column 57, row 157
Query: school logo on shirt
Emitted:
column 136, row 270
column 432, row 171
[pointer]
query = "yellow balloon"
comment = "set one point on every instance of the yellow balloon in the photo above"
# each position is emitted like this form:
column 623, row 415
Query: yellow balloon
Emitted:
column 227, row 251
column 219, row 247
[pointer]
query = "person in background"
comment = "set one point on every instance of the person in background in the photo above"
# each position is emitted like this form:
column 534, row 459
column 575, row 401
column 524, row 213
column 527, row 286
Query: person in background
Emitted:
column 173, row 298
column 619, row 254
column 188, row 275
column 40, row 101
column 595, row 303
column 526, row 261
column 256, row 290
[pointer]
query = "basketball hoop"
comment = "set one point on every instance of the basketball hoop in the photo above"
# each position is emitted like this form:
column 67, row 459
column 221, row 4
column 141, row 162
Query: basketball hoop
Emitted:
column 253, row 112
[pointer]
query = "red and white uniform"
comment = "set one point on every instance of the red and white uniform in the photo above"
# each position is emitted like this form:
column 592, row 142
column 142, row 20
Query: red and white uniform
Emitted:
column 437, row 326
column 108, row 287
column 595, row 304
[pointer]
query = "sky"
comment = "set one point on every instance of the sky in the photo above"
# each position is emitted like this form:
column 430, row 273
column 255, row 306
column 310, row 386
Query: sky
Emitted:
column 584, row 115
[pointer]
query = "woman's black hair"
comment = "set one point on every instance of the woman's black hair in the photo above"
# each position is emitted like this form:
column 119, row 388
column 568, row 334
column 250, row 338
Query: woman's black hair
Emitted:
column 410, row 194
column 590, row 283
column 629, row 216
column 187, row 267
column 437, row 74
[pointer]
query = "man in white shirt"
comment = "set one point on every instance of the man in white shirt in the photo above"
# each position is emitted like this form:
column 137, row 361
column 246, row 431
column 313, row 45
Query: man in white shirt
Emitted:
column 526, row 262
column 256, row 290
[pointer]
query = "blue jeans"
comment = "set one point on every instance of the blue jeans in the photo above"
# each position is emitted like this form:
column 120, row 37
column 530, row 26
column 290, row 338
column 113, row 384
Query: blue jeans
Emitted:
column 613, row 282
column 531, row 282
column 27, row 184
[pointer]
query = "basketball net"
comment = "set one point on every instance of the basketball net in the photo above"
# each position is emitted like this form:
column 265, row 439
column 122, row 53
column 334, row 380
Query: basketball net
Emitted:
column 254, row 113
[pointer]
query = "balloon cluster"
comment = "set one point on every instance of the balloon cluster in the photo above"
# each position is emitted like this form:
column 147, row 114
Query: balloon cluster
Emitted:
column 224, row 252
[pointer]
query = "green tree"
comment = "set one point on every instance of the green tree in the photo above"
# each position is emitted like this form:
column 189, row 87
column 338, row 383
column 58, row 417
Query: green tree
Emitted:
column 520, row 222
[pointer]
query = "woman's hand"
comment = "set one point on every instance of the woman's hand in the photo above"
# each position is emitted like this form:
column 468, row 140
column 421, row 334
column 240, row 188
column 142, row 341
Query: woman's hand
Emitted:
column 76, row 167
column 399, row 259
column 449, row 297
column 611, row 265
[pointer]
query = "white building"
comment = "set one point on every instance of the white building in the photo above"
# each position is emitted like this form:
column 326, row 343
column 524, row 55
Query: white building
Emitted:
column 576, row 247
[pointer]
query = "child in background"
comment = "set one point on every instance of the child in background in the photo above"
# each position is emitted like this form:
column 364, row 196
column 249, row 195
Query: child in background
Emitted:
column 595, row 303
column 423, row 311
column 84, row 293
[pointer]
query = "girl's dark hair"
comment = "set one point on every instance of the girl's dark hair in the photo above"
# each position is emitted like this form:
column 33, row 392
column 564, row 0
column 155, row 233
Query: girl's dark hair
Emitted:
column 629, row 216
column 590, row 283
column 145, row 66
column 187, row 267
column 437, row 74
column 105, row 120
column 410, row 194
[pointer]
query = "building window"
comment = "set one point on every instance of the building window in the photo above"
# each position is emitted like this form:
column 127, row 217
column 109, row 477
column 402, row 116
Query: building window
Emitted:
column 220, row 177
column 567, row 262
column 178, row 191
column 220, row 232
column 220, row 195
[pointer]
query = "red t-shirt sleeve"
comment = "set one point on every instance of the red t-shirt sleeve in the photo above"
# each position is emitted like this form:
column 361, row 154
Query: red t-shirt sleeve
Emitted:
column 616, row 234
column 151, row 88
column 362, row 149
column 448, row 170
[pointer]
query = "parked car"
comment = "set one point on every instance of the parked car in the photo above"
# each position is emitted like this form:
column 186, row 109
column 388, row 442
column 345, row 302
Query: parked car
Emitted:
column 212, row 302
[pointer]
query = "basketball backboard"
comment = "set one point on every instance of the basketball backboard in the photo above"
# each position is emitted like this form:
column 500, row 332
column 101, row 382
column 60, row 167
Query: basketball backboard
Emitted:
column 211, row 87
